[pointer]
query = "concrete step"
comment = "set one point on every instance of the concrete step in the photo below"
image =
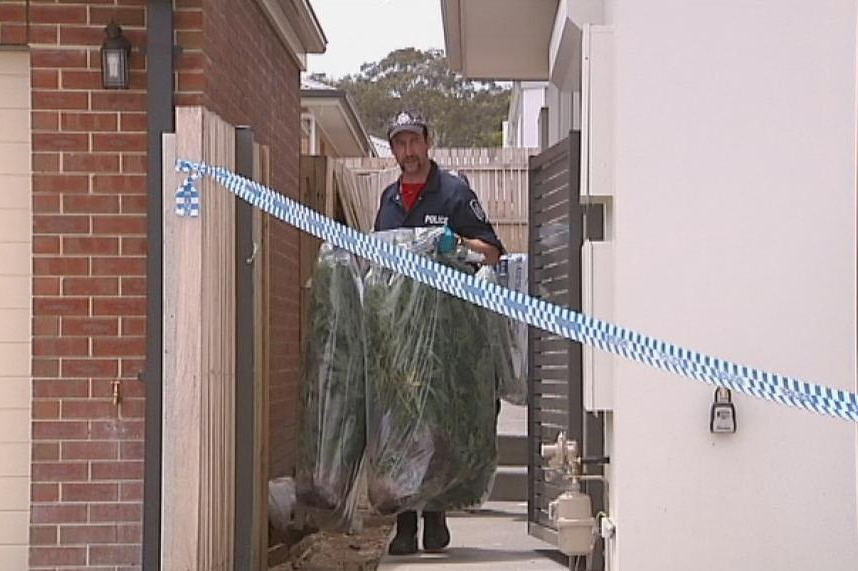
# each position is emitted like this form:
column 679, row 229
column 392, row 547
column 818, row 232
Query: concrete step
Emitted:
column 510, row 484
column 512, row 450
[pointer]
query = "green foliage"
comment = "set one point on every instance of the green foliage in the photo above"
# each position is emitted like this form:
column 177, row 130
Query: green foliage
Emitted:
column 462, row 112
column 333, row 373
column 431, row 397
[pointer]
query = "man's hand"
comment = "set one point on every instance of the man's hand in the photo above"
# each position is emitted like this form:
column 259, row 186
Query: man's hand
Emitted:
column 491, row 252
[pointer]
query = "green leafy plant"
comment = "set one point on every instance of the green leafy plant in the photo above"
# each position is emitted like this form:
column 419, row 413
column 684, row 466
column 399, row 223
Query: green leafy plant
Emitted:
column 333, row 373
column 431, row 396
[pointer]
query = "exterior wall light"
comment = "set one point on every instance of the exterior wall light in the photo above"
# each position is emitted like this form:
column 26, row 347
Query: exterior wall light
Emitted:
column 115, row 53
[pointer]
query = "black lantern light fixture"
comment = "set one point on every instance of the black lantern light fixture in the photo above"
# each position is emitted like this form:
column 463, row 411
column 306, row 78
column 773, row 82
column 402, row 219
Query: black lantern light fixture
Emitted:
column 115, row 53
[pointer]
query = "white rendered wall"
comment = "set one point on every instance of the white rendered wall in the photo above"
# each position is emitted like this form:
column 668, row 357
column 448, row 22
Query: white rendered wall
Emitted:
column 736, row 236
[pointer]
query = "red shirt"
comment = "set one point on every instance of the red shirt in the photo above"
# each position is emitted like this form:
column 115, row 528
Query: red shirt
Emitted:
column 410, row 191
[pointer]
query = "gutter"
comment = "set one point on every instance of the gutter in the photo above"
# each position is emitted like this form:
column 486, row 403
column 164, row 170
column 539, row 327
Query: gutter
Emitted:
column 355, row 122
column 160, row 120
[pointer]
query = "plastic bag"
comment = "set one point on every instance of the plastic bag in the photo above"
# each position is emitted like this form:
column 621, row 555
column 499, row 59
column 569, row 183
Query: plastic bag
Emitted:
column 431, row 389
column 333, row 429
column 281, row 502
column 510, row 335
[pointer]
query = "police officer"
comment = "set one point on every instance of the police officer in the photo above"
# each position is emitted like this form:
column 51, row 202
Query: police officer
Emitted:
column 425, row 195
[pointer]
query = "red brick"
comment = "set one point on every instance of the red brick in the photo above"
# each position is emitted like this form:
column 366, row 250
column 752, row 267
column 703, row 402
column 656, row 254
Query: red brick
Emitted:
column 50, row 556
column 13, row 34
column 134, row 164
column 59, row 471
column 87, row 492
column 42, row 13
column 115, row 555
column 46, row 409
column 59, row 266
column 46, row 368
column 60, row 142
column 190, row 39
column 60, row 306
column 128, row 389
column 133, row 408
column 45, row 34
column 90, row 326
column 131, row 491
column 119, row 184
column 133, row 286
column 46, row 286
column 117, row 430
column 45, row 451
column 88, row 409
column 59, row 100
column 47, row 224
column 131, row 451
column 45, row 120
column 43, row 493
column 46, row 203
column 192, row 81
column 88, row 122
column 121, row 142
column 59, row 59
column 119, row 266
column 12, row 13
column 43, row 535
column 134, row 246
column 86, row 245
column 133, row 325
column 90, row 286
column 133, row 203
column 91, row 450
column 131, row 368
column 46, row 162
column 122, row 101
column 130, row 533
column 60, row 347
column 118, row 346
column 60, row 183
column 119, row 225
column 119, row 306
column 130, row 512
column 126, row 16
column 98, row 368
column 90, row 204
column 90, row 162
column 60, row 389
column 46, row 326
column 82, row 36
column 133, row 122
column 87, row 534
column 188, row 18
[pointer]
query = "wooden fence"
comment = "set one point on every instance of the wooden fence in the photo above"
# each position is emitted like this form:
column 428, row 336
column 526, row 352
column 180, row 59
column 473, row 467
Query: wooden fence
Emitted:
column 498, row 177
column 199, row 358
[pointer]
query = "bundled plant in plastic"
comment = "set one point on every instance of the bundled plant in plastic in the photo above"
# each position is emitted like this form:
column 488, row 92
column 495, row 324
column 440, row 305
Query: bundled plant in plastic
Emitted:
column 431, row 393
column 333, row 374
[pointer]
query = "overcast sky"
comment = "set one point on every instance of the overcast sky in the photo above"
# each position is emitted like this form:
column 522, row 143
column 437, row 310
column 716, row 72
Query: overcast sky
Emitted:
column 361, row 31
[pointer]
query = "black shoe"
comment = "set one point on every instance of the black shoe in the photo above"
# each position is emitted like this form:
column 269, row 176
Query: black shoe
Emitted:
column 436, row 536
column 405, row 540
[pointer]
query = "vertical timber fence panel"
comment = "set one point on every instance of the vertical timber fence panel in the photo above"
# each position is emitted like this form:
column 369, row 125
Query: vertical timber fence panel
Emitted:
column 199, row 357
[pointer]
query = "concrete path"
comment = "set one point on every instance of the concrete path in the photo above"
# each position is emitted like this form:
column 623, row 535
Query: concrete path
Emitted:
column 493, row 538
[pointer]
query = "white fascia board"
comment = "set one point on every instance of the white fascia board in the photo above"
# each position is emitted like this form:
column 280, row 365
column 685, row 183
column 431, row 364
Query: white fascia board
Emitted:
column 564, row 49
column 451, row 18
column 306, row 38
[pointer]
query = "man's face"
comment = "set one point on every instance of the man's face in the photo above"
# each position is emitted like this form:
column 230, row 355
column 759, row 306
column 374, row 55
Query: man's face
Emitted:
column 412, row 152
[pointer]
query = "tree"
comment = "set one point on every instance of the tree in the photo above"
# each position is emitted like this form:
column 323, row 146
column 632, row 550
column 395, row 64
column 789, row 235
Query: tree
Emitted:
column 461, row 112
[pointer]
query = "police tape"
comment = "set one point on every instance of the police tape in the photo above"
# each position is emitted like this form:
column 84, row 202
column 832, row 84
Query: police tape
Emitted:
column 520, row 306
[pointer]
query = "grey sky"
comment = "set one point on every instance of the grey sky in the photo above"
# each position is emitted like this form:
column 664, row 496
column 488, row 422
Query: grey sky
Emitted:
column 361, row 31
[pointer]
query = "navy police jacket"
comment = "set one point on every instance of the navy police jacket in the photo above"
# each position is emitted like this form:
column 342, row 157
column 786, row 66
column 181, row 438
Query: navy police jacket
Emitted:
column 446, row 199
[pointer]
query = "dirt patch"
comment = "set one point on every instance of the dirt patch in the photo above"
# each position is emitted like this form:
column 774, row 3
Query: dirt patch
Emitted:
column 331, row 551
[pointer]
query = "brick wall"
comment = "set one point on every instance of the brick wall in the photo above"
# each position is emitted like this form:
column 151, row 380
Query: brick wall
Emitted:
column 89, row 287
column 89, row 252
column 250, row 79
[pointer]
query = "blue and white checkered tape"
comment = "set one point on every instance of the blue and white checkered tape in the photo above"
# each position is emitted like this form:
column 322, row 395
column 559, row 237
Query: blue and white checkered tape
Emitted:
column 522, row 307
